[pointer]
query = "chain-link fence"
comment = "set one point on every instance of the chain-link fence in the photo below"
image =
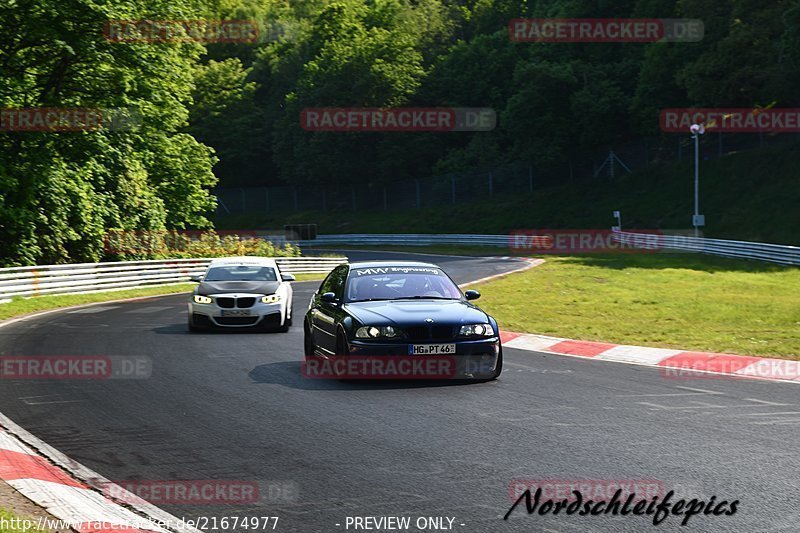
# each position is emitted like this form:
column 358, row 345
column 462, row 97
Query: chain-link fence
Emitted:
column 517, row 178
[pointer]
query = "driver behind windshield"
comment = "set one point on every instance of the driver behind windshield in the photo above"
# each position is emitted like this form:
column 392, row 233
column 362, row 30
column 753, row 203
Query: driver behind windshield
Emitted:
column 402, row 286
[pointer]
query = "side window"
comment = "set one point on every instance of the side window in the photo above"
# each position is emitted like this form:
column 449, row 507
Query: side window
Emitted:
column 335, row 281
column 338, row 277
column 327, row 284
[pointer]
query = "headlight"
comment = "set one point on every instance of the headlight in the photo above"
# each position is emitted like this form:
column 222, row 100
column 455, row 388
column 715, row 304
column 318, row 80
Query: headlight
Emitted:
column 375, row 332
column 271, row 299
column 201, row 299
column 476, row 330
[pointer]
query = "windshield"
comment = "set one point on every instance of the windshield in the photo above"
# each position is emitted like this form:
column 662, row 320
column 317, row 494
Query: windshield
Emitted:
column 399, row 283
column 241, row 273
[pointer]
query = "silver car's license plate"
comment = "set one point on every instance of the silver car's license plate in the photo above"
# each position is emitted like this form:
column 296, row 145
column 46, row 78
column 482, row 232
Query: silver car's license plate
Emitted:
column 432, row 349
column 235, row 312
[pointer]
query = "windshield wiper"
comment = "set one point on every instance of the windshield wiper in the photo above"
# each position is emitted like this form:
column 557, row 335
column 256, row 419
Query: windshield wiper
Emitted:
column 403, row 298
column 423, row 298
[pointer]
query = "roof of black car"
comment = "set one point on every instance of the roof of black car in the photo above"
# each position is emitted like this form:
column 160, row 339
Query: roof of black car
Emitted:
column 378, row 264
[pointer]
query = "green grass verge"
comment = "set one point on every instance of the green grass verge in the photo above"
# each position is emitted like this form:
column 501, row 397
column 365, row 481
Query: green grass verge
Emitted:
column 22, row 306
column 310, row 276
column 10, row 518
column 672, row 301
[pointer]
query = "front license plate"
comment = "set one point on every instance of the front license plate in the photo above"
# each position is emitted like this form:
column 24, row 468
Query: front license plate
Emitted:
column 431, row 349
column 235, row 312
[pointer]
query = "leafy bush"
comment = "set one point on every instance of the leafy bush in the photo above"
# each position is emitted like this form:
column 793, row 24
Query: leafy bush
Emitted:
column 127, row 245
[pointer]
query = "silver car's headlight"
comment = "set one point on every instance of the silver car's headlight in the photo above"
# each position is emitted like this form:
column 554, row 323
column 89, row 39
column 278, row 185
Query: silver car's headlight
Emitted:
column 199, row 299
column 377, row 332
column 271, row 298
column 476, row 330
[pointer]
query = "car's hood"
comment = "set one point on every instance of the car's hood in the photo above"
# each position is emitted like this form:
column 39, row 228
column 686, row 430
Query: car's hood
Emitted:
column 415, row 312
column 222, row 287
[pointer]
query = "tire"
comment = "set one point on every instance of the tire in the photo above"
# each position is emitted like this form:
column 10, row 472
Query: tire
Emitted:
column 341, row 343
column 287, row 323
column 341, row 349
column 308, row 344
column 192, row 327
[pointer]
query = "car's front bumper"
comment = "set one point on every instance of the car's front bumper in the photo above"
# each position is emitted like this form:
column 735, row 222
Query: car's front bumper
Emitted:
column 259, row 315
column 473, row 358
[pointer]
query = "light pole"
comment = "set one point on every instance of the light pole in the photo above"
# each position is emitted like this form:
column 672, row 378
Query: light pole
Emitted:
column 698, row 219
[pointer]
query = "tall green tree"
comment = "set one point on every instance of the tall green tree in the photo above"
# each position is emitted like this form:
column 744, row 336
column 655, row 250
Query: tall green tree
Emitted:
column 60, row 191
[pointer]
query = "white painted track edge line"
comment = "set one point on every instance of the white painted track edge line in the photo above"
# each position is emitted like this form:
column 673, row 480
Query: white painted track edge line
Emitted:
column 527, row 264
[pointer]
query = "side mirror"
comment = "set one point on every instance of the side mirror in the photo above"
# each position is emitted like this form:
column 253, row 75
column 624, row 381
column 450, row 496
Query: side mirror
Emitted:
column 288, row 277
column 197, row 278
column 472, row 295
column 328, row 297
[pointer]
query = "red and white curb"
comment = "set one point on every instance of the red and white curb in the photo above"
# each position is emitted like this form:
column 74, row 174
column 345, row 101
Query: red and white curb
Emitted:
column 64, row 489
column 674, row 363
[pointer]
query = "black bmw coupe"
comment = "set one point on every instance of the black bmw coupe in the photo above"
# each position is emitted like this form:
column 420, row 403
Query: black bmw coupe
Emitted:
column 409, row 311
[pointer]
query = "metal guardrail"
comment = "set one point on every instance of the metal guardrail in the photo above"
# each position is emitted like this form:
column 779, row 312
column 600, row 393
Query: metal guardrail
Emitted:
column 405, row 239
column 91, row 277
column 771, row 253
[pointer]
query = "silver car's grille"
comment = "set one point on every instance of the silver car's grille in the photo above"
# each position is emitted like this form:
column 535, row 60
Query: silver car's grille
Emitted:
column 245, row 302
column 229, row 302
column 225, row 302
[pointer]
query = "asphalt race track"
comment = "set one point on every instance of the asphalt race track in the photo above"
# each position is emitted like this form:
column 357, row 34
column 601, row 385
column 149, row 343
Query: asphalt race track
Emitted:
column 233, row 406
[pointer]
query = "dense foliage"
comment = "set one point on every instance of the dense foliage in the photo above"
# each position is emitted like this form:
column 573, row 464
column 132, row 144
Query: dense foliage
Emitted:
column 60, row 191
column 237, row 105
column 133, row 245
column 551, row 98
